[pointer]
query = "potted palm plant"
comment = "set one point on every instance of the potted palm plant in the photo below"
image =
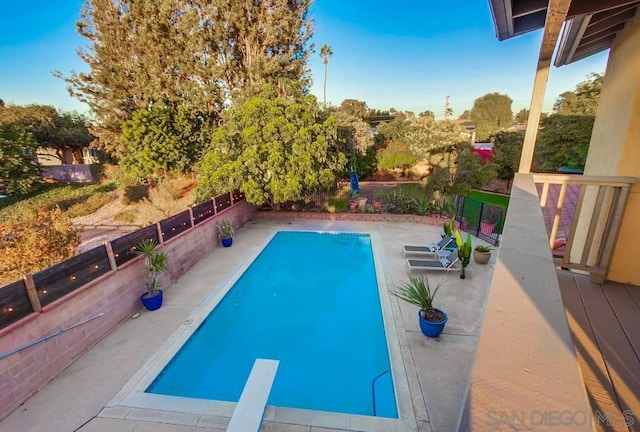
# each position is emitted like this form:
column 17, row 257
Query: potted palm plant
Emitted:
column 226, row 232
column 482, row 254
column 418, row 291
column 155, row 263
column 464, row 252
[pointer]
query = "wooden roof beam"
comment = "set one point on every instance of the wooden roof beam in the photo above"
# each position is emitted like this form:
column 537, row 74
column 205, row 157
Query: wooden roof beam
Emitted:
column 601, row 34
column 556, row 14
column 608, row 19
column 521, row 7
column 582, row 7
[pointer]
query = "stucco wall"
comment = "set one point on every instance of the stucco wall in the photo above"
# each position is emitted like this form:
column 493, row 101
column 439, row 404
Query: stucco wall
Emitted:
column 115, row 294
column 615, row 142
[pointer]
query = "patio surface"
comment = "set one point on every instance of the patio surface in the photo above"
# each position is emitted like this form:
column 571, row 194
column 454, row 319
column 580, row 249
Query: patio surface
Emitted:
column 87, row 396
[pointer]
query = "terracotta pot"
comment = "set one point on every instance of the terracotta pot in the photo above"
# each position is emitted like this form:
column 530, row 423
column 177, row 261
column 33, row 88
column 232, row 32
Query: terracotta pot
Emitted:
column 481, row 257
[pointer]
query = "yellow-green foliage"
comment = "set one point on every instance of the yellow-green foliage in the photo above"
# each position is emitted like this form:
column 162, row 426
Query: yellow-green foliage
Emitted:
column 42, row 238
column 336, row 205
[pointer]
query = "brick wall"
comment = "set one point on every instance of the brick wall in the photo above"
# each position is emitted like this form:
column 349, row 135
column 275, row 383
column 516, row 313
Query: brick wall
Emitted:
column 115, row 295
column 370, row 217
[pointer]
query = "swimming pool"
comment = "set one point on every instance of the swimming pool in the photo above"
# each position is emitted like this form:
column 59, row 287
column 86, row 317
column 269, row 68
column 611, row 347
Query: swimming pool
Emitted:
column 311, row 301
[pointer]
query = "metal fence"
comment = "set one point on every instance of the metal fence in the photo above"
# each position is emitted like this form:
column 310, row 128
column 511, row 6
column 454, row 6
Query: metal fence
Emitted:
column 482, row 219
column 23, row 297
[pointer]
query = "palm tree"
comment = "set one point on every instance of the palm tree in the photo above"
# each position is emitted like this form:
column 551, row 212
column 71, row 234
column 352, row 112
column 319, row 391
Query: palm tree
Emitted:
column 325, row 53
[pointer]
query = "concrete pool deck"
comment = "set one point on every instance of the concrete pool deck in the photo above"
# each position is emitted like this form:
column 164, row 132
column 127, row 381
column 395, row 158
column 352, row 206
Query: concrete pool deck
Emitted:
column 87, row 396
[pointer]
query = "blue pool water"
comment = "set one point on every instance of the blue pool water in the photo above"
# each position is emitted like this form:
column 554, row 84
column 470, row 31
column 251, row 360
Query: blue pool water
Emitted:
column 309, row 300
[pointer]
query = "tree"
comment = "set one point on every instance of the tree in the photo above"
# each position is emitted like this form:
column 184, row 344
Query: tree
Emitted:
column 19, row 170
column 427, row 113
column 466, row 115
column 563, row 141
column 354, row 134
column 49, row 127
column 325, row 53
column 162, row 140
column 395, row 129
column 522, row 116
column 508, row 148
column 470, row 172
column 491, row 113
column 355, row 108
column 43, row 238
column 148, row 52
column 273, row 149
column 396, row 155
column 435, row 141
column 583, row 101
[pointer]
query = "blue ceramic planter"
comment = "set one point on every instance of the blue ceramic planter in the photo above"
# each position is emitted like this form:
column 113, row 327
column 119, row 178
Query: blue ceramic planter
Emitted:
column 152, row 303
column 226, row 242
column 429, row 328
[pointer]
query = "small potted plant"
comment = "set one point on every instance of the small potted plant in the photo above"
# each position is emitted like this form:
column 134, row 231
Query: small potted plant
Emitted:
column 418, row 291
column 464, row 252
column 482, row 254
column 155, row 263
column 490, row 218
column 226, row 232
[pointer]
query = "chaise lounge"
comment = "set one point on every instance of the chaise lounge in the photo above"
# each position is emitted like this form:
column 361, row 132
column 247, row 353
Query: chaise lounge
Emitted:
column 433, row 249
column 444, row 263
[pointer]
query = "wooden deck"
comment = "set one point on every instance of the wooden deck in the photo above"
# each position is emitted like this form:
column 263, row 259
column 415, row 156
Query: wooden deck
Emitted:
column 605, row 327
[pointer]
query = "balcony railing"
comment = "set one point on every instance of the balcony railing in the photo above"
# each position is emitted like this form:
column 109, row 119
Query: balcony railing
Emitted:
column 587, row 211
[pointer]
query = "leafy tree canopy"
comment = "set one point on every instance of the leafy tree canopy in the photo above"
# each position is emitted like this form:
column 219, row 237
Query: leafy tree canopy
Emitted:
column 466, row 115
column 434, row 141
column 396, row 155
column 491, row 113
column 162, row 140
column 147, row 52
column 354, row 108
column 563, row 140
column 50, row 128
column 273, row 149
column 521, row 116
column 470, row 172
column 427, row 113
column 42, row 239
column 19, row 170
column 583, row 101
column 508, row 148
column 395, row 129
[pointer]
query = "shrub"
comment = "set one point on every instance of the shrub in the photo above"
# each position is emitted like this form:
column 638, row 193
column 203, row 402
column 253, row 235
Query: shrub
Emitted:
column 397, row 202
column 129, row 216
column 93, row 203
column 134, row 194
column 50, row 197
column 336, row 205
column 161, row 203
column 43, row 238
column 396, row 155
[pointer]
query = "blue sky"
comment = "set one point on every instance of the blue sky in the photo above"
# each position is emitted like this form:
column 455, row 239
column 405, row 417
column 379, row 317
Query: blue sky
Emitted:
column 400, row 55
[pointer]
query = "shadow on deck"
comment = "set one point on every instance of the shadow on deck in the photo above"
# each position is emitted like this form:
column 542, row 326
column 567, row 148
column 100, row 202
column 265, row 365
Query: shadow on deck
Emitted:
column 605, row 326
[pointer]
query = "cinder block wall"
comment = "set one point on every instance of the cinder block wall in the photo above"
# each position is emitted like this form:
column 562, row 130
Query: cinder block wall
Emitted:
column 115, row 294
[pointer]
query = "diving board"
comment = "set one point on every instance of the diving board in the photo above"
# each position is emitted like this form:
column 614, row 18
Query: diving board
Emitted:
column 247, row 416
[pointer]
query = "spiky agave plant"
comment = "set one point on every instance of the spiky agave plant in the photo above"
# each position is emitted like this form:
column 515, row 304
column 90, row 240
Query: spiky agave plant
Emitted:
column 418, row 291
column 464, row 251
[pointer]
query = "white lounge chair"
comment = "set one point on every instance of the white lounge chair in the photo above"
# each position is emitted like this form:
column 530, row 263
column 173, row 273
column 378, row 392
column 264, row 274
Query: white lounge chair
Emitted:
column 432, row 249
column 446, row 263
